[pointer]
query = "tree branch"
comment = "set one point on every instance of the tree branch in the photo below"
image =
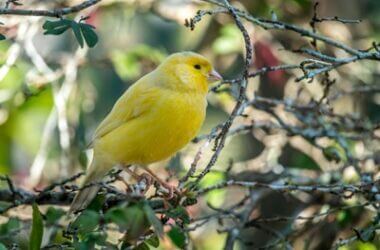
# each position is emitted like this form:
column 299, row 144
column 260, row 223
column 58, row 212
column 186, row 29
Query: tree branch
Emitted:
column 50, row 13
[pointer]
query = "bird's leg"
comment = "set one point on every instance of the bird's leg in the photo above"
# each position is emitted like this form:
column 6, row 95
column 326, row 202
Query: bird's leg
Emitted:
column 120, row 178
column 171, row 189
column 147, row 179
column 132, row 173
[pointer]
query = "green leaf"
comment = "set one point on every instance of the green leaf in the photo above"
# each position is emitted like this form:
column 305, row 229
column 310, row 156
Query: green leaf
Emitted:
column 131, row 219
column 37, row 229
column 89, row 34
column 56, row 27
column 125, row 245
column 11, row 225
column 153, row 241
column 81, row 30
column 97, row 203
column 86, row 222
column 57, row 31
column 2, row 247
column 344, row 218
column 335, row 153
column 2, row 37
column 78, row 35
column 142, row 246
column 98, row 238
column 179, row 213
column 118, row 216
column 49, row 25
column 154, row 221
column 296, row 159
column 137, row 221
column 189, row 201
column 177, row 237
column 53, row 215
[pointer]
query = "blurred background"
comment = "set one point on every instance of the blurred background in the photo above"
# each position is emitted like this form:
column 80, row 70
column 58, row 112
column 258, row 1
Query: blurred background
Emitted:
column 53, row 94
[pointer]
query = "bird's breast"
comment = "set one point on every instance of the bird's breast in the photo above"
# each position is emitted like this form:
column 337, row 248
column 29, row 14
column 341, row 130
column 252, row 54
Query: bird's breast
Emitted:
column 175, row 122
column 168, row 126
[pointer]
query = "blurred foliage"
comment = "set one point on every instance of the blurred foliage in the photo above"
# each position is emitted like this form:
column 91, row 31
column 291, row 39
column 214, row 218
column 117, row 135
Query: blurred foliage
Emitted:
column 130, row 64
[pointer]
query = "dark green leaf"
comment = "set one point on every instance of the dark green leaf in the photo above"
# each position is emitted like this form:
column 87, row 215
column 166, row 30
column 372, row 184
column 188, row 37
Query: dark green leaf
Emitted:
column 177, row 237
column 56, row 31
column 125, row 245
column 190, row 202
column 294, row 158
column 10, row 230
column 83, row 245
column 97, row 203
column 137, row 221
column 53, row 215
column 49, row 25
column 2, row 37
column 344, row 217
column 98, row 238
column 334, row 153
column 179, row 213
column 132, row 219
column 78, row 35
column 86, row 222
column 37, row 229
column 142, row 246
column 153, row 241
column 89, row 34
column 56, row 27
column 11, row 225
column 117, row 215
column 154, row 221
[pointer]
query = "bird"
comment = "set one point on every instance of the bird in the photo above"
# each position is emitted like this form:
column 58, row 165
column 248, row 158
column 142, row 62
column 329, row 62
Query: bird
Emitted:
column 153, row 119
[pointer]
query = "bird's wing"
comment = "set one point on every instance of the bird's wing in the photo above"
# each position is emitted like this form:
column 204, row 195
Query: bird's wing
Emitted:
column 135, row 102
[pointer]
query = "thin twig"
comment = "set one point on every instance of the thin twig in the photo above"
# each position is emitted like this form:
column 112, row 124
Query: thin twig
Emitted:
column 50, row 13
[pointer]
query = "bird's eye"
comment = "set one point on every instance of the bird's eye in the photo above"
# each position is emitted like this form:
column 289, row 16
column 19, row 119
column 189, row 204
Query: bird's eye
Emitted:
column 197, row 66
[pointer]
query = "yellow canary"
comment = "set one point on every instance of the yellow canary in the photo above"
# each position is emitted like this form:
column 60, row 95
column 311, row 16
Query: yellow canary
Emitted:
column 152, row 120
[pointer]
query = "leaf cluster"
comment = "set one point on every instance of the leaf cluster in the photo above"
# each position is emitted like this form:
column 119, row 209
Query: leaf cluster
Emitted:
column 83, row 32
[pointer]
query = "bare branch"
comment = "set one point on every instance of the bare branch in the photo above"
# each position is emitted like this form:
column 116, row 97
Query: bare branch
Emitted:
column 50, row 13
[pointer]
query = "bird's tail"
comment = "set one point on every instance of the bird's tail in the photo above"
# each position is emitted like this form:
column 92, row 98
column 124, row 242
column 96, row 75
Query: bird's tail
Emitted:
column 89, row 187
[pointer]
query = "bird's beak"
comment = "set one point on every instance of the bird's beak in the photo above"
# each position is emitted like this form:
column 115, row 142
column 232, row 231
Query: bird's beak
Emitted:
column 214, row 76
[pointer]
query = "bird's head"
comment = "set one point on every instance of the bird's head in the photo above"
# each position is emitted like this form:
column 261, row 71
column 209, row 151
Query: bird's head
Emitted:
column 192, row 71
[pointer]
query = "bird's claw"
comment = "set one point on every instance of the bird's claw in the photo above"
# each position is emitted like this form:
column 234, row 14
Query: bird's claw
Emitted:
column 148, row 181
column 172, row 191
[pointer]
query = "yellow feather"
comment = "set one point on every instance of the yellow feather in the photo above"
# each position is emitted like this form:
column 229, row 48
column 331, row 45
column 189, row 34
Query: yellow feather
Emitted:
column 153, row 119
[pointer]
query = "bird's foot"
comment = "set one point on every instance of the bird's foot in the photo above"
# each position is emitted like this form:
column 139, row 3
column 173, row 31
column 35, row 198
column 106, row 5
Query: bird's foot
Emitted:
column 172, row 191
column 144, row 181
column 147, row 179
column 121, row 179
